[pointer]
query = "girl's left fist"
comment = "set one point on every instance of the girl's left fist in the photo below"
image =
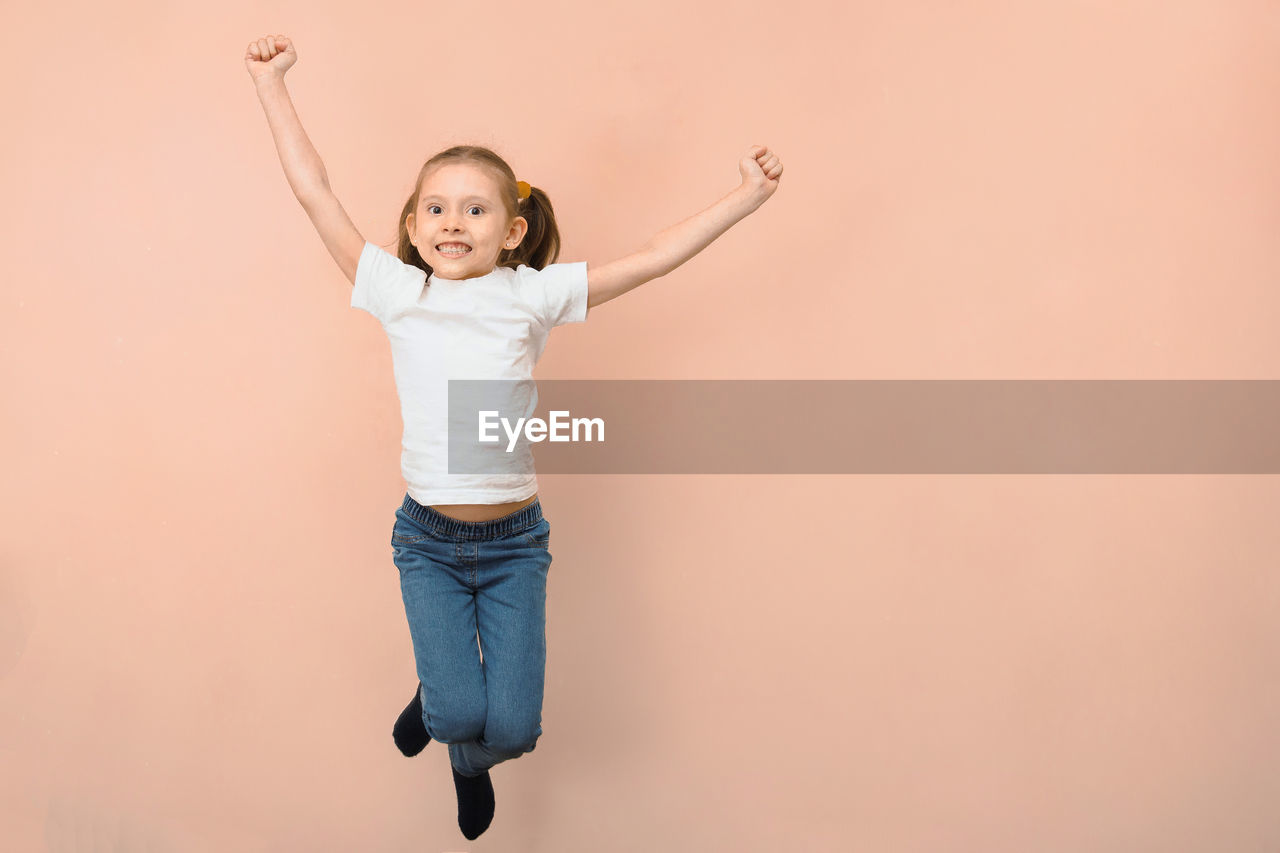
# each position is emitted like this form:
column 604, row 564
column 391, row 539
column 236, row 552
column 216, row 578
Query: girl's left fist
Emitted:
column 761, row 170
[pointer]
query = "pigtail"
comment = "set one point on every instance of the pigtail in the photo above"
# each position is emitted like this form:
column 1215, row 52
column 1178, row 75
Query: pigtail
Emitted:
column 541, row 244
column 405, row 250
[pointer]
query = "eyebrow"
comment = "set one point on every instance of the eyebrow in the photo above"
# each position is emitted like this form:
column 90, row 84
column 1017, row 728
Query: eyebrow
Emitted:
column 442, row 198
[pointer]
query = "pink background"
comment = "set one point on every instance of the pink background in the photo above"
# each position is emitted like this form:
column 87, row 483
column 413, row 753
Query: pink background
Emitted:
column 202, row 643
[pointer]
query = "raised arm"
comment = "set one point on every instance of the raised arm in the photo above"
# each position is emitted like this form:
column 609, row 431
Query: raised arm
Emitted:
column 267, row 60
column 671, row 247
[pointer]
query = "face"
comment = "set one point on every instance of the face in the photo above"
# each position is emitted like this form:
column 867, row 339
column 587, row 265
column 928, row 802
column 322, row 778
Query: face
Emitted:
column 458, row 203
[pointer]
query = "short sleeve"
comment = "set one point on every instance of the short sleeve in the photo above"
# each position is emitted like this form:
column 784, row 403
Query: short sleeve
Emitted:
column 385, row 286
column 558, row 293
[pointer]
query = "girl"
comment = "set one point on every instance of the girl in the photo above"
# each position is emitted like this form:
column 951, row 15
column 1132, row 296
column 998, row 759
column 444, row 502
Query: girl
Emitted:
column 473, row 291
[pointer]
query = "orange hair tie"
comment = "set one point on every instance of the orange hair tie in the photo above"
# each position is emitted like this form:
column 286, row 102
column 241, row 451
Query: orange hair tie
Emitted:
column 523, row 189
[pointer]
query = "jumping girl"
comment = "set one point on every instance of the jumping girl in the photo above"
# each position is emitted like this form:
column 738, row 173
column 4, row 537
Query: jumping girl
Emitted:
column 473, row 291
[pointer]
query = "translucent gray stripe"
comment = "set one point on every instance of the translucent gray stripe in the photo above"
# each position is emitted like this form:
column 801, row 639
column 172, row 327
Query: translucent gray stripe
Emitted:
column 880, row 426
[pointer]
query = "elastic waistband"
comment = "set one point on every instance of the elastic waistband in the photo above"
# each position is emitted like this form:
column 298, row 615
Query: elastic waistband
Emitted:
column 438, row 522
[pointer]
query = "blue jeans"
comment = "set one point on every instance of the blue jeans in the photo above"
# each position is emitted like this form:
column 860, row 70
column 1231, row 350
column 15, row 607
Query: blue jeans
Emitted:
column 464, row 581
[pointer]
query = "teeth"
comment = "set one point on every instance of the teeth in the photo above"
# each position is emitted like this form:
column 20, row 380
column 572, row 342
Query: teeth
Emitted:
column 454, row 249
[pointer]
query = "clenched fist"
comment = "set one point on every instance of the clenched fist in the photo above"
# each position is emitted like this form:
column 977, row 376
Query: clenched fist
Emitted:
column 269, row 55
column 761, row 170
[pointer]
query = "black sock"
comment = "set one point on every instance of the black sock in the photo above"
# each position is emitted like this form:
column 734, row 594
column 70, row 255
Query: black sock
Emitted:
column 410, row 734
column 475, row 803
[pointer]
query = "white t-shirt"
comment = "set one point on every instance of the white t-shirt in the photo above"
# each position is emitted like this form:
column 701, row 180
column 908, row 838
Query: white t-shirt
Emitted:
column 491, row 327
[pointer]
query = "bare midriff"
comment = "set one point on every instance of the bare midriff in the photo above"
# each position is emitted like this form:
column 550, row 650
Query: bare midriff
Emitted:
column 481, row 512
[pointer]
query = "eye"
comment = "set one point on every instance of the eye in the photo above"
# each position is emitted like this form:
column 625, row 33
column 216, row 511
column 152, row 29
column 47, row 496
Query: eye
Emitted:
column 432, row 207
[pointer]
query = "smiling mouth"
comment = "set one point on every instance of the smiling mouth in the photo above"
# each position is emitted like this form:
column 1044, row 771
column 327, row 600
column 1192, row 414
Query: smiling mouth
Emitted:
column 452, row 250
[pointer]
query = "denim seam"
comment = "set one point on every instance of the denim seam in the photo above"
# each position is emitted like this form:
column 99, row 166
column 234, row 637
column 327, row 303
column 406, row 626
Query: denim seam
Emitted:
column 413, row 540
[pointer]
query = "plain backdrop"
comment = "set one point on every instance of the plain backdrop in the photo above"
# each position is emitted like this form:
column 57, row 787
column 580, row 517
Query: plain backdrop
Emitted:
column 202, row 643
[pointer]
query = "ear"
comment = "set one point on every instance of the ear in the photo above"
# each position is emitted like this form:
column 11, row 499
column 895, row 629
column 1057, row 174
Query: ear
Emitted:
column 408, row 225
column 519, row 228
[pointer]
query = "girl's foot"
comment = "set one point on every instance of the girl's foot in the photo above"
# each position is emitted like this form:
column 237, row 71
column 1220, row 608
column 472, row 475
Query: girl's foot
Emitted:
column 475, row 803
column 409, row 733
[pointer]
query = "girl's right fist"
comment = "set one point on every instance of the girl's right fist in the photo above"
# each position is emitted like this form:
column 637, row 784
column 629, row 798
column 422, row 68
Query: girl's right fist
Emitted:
column 269, row 55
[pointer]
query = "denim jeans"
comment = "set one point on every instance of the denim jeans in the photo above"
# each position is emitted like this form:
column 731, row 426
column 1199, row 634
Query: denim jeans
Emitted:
column 475, row 595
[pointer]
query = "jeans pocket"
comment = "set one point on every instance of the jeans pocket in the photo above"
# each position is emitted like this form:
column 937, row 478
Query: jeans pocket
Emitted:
column 540, row 534
column 409, row 532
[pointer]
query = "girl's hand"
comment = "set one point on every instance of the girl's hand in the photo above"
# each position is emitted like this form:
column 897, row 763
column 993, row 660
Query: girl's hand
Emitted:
column 269, row 55
column 760, row 170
